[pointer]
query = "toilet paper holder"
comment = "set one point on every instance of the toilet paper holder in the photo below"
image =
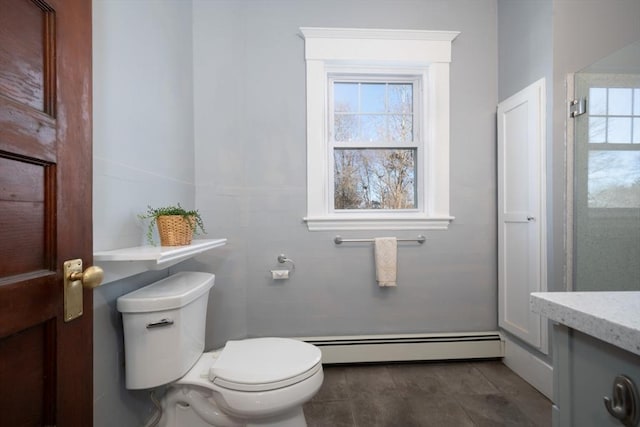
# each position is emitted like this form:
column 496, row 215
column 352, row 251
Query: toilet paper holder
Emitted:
column 282, row 274
column 282, row 258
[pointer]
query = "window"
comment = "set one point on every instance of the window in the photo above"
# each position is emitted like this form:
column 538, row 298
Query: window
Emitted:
column 374, row 143
column 613, row 179
column 377, row 129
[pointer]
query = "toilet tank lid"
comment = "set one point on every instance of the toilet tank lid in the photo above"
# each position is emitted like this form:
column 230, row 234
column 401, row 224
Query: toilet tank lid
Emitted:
column 169, row 293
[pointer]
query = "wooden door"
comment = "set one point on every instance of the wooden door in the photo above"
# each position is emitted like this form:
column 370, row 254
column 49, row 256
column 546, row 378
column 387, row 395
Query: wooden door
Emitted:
column 521, row 213
column 46, row 372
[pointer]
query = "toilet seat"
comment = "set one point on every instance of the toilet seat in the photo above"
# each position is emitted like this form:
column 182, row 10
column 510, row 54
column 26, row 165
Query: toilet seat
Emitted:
column 267, row 386
column 262, row 364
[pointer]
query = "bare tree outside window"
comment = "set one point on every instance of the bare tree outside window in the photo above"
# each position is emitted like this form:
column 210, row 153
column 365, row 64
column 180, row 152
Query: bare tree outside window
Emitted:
column 374, row 177
column 614, row 179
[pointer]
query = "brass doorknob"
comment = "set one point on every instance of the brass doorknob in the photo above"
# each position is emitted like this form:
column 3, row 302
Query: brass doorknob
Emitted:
column 90, row 278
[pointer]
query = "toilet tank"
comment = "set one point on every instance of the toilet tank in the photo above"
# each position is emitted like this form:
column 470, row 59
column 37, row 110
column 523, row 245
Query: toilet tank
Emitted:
column 164, row 325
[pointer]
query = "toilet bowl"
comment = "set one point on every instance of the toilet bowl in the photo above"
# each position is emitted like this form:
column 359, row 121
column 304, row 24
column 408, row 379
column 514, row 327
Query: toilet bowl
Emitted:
column 250, row 382
column 253, row 382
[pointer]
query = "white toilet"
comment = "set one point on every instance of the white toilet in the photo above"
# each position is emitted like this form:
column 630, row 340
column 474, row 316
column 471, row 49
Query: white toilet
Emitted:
column 251, row 382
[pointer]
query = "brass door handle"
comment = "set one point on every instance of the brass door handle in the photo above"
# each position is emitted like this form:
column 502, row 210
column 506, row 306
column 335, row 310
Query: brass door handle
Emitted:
column 90, row 278
column 74, row 280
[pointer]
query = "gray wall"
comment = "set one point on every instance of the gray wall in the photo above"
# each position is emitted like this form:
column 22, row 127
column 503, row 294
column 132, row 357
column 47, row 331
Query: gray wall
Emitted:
column 623, row 61
column 143, row 154
column 525, row 45
column 249, row 81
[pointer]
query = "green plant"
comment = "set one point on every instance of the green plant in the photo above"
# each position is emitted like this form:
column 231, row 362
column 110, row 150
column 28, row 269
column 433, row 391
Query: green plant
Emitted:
column 153, row 214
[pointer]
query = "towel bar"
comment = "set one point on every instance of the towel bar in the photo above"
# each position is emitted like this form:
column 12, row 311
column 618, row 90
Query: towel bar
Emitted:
column 338, row 240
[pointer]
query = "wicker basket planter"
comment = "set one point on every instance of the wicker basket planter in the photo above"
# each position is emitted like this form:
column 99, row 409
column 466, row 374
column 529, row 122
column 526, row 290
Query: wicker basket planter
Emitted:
column 175, row 230
column 176, row 225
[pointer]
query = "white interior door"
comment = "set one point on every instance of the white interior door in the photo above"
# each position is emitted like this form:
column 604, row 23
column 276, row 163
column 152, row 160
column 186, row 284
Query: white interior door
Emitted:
column 521, row 212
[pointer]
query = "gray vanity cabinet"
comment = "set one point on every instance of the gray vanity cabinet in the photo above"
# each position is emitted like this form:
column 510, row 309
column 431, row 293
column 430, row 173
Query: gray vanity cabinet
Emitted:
column 584, row 372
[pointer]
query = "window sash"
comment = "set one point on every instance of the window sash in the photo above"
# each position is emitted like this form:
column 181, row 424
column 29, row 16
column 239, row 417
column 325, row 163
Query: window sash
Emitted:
column 366, row 188
column 416, row 113
column 415, row 143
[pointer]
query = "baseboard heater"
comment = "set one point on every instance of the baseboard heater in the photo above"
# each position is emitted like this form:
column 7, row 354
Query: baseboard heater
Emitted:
column 409, row 347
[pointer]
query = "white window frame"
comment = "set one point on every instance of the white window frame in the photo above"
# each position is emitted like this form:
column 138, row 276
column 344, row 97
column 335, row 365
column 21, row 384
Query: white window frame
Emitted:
column 339, row 51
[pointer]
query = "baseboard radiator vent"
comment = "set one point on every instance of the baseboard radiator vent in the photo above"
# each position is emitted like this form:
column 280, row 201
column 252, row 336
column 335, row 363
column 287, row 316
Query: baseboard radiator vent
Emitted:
column 409, row 347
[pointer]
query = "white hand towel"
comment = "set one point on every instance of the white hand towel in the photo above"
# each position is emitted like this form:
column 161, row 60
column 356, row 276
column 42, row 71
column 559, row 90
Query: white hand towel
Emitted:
column 386, row 254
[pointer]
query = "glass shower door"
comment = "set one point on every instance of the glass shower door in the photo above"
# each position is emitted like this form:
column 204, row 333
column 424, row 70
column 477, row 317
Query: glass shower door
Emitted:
column 607, row 183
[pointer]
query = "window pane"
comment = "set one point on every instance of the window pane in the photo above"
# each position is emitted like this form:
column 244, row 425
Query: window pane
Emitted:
column 620, row 102
column 372, row 97
column 636, row 102
column 345, row 97
column 374, row 112
column 614, row 179
column 374, row 178
column 345, row 127
column 374, row 128
column 619, row 130
column 401, row 128
column 597, row 129
column 636, row 131
column 400, row 98
column 597, row 101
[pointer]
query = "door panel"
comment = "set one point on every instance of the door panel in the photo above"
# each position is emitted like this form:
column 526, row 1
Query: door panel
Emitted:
column 22, row 77
column 22, row 223
column 45, row 198
column 23, row 363
column 26, row 132
column 521, row 225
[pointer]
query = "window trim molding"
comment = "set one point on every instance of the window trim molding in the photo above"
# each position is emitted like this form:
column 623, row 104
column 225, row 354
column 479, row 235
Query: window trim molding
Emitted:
column 428, row 52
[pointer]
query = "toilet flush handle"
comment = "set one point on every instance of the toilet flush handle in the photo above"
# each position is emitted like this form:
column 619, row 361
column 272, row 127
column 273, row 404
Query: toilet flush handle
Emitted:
column 160, row 324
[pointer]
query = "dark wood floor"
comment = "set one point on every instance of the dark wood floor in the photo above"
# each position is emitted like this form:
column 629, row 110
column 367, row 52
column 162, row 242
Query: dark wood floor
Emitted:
column 485, row 393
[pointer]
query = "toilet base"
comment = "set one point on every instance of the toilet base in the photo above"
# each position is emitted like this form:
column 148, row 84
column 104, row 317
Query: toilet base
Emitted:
column 185, row 407
column 293, row 418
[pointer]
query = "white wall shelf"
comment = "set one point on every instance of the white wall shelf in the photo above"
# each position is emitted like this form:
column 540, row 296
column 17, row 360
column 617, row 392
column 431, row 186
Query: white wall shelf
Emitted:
column 121, row 263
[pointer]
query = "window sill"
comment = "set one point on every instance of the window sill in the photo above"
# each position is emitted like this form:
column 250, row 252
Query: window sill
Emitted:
column 336, row 223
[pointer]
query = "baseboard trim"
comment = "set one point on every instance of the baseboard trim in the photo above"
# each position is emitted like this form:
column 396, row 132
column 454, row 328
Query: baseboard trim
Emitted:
column 532, row 369
column 409, row 347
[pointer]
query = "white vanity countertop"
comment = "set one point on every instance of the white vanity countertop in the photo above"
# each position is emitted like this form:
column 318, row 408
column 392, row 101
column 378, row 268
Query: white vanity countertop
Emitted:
column 613, row 317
